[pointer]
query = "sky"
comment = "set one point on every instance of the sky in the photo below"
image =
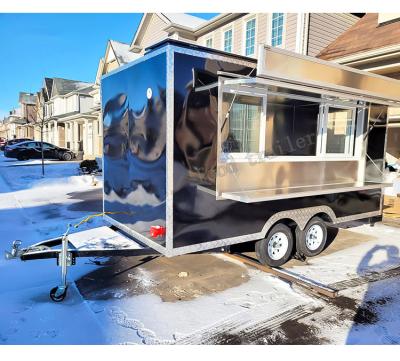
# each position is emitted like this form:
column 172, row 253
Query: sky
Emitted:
column 34, row 46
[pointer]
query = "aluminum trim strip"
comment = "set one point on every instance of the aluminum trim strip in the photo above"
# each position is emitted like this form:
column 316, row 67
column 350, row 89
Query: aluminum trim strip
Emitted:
column 204, row 54
column 169, row 211
column 358, row 216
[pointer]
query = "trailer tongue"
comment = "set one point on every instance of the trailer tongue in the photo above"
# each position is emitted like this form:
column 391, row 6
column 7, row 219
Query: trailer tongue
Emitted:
column 97, row 242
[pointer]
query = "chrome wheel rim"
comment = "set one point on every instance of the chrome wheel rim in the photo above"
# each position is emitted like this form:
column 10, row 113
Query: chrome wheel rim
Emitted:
column 314, row 237
column 278, row 245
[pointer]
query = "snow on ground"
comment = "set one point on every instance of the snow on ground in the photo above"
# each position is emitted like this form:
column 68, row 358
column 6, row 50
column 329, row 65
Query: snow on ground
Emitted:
column 33, row 209
column 262, row 309
column 379, row 254
column 147, row 319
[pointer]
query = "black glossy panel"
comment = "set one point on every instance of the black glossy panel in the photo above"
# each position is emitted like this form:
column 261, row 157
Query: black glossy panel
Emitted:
column 134, row 114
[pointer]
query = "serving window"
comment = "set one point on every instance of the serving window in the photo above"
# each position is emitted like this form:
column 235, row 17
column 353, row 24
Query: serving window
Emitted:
column 278, row 125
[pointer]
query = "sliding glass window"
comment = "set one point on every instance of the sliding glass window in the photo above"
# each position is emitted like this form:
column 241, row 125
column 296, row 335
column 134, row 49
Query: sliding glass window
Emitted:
column 339, row 131
column 242, row 134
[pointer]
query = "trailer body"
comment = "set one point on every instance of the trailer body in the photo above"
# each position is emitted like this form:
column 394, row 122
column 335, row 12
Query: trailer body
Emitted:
column 171, row 161
column 205, row 149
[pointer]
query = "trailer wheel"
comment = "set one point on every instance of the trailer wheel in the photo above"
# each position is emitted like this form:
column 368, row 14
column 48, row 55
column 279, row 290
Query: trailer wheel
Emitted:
column 277, row 247
column 57, row 294
column 311, row 240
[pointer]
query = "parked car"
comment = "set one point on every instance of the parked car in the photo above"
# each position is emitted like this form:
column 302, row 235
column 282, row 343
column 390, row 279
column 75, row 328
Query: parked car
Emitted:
column 32, row 150
column 13, row 141
column 3, row 142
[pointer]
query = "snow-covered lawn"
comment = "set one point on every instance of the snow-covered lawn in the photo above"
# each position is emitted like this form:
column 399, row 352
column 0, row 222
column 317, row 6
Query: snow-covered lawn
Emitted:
column 257, row 309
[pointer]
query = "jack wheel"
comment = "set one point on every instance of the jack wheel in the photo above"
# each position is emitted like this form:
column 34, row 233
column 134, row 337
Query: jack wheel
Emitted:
column 57, row 294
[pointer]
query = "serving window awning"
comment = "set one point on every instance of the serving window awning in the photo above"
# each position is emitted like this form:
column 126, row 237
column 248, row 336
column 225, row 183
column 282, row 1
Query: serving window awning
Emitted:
column 284, row 65
column 264, row 86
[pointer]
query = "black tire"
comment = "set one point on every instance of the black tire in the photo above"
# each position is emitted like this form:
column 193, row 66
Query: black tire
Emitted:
column 301, row 237
column 22, row 157
column 264, row 255
column 58, row 298
column 67, row 156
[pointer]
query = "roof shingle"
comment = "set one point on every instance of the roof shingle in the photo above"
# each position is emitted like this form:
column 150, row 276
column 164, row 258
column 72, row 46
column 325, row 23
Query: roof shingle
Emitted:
column 366, row 34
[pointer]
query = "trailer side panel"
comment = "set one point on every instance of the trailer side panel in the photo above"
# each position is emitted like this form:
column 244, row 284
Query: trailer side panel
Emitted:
column 134, row 115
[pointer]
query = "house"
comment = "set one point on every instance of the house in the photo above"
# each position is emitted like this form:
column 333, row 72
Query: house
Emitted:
column 65, row 113
column 27, row 103
column 20, row 121
column 14, row 124
column 240, row 33
column 372, row 44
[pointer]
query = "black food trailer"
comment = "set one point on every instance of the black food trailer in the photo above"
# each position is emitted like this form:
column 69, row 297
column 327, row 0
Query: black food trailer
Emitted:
column 205, row 149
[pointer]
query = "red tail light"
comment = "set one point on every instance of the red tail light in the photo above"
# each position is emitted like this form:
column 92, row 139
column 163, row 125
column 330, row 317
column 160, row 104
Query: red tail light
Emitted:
column 157, row 231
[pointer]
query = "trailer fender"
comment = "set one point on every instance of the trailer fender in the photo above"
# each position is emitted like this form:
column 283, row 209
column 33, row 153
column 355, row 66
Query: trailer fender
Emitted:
column 299, row 216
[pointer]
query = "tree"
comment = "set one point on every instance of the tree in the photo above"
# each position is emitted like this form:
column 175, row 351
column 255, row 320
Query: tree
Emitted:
column 41, row 122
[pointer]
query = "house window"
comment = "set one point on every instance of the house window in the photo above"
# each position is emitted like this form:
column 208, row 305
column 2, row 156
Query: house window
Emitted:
column 339, row 131
column 209, row 43
column 228, row 41
column 244, row 125
column 277, row 29
column 250, row 37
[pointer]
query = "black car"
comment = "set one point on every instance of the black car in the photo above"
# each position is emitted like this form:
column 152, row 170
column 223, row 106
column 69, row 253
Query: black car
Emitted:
column 14, row 141
column 32, row 150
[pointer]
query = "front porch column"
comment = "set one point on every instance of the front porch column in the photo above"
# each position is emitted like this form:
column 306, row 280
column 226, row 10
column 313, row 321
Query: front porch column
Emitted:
column 45, row 132
column 68, row 136
column 55, row 133
column 75, row 134
column 84, row 138
column 98, row 138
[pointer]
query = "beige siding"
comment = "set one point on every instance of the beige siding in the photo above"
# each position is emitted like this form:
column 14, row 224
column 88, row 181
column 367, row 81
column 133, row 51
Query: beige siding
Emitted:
column 153, row 33
column 325, row 28
column 217, row 41
column 262, row 28
column 291, row 30
column 238, row 36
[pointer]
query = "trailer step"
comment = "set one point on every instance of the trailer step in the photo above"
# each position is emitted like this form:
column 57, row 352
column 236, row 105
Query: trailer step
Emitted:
column 314, row 287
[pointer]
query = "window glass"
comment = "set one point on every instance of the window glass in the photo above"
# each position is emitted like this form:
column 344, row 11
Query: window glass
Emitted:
column 209, row 43
column 46, row 146
column 277, row 29
column 244, row 124
column 30, row 145
column 250, row 37
column 292, row 126
column 228, row 41
column 339, row 129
